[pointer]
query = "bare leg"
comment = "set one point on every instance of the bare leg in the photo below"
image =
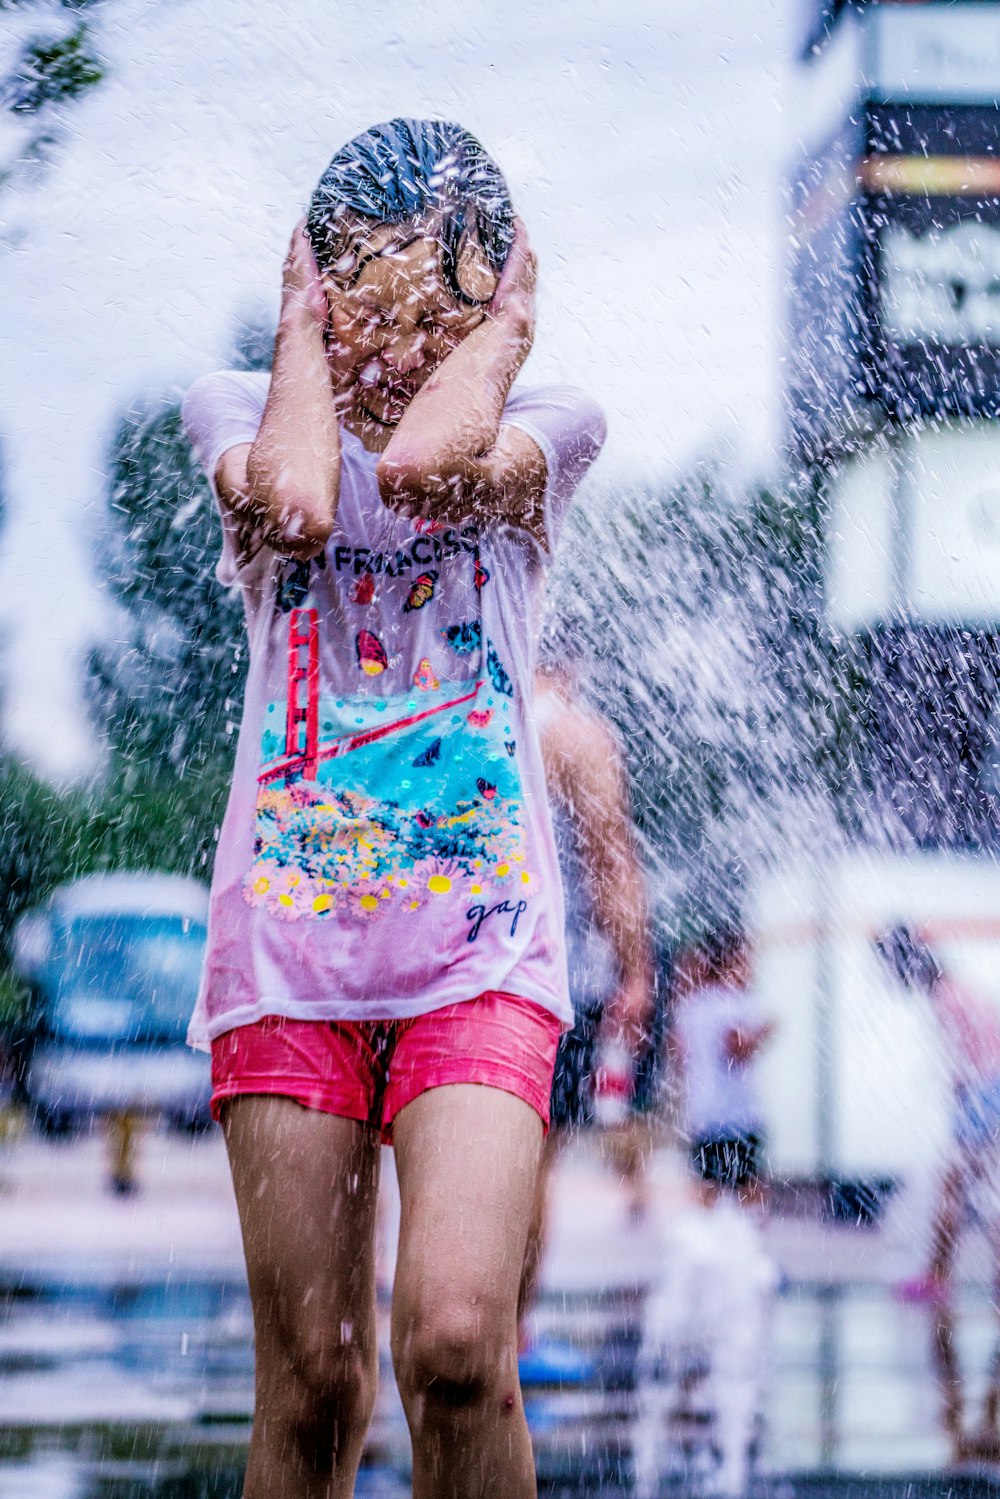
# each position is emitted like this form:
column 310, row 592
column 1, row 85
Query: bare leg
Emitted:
column 985, row 1442
column 122, row 1129
column 949, row 1376
column 306, row 1186
column 627, row 1150
column 467, row 1159
column 947, row 1222
column 538, row 1228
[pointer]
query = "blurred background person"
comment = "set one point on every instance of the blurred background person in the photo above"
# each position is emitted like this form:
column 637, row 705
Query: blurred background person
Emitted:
column 608, row 949
column 717, row 1031
column 970, row 1028
column 706, row 1324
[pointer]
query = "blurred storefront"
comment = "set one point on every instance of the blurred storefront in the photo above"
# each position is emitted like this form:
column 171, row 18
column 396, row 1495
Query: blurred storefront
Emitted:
column 893, row 400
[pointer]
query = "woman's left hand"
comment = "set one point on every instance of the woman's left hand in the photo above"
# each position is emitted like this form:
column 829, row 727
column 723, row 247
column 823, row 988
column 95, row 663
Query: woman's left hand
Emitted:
column 514, row 298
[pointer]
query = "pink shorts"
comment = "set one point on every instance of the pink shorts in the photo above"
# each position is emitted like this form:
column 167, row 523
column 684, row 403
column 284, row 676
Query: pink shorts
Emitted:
column 370, row 1069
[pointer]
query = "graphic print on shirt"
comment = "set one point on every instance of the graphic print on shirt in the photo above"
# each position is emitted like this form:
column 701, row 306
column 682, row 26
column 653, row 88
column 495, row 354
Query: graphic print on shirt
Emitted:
column 446, row 822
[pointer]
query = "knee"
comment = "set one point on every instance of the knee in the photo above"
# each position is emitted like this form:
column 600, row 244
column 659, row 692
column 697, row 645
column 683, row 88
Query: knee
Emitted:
column 316, row 1398
column 452, row 1357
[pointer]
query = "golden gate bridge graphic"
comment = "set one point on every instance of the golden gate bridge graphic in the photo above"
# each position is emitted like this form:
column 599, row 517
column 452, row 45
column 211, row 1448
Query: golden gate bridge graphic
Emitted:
column 303, row 750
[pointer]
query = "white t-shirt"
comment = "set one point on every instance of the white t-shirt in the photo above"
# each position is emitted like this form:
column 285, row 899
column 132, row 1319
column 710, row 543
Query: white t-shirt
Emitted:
column 387, row 848
column 719, row 1094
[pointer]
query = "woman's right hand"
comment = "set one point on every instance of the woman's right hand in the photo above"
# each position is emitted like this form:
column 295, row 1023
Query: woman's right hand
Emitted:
column 302, row 285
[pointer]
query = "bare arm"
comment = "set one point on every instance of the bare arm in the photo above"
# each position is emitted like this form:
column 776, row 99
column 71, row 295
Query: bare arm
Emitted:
column 450, row 456
column 286, row 483
column 584, row 770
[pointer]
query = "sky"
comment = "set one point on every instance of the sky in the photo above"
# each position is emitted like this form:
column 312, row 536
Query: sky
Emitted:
column 645, row 142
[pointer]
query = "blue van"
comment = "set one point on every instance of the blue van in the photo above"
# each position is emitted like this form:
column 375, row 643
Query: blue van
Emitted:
column 113, row 962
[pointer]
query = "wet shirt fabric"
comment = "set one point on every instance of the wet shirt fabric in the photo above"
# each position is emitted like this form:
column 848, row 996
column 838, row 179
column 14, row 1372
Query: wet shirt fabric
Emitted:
column 387, row 847
column 720, row 1096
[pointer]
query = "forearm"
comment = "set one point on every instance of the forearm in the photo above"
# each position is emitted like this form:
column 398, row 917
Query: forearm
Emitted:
column 453, row 421
column 621, row 913
column 293, row 467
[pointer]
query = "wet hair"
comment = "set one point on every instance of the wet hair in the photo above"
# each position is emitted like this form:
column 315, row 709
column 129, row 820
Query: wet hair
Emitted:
column 909, row 957
column 406, row 170
column 721, row 947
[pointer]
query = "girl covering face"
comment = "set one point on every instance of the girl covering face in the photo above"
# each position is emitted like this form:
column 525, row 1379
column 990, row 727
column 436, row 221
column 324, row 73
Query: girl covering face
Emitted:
column 385, row 959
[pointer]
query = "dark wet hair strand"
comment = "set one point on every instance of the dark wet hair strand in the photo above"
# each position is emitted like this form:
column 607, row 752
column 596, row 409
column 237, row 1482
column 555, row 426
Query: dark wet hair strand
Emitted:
column 403, row 170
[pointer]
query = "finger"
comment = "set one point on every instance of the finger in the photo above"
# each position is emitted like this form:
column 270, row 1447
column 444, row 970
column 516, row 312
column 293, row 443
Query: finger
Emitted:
column 522, row 244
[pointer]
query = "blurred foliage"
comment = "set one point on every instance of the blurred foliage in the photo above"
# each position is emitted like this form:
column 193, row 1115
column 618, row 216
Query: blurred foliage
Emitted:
column 167, row 692
column 148, row 820
column 55, row 68
column 136, row 820
column 52, row 71
column 34, row 843
column 15, row 1000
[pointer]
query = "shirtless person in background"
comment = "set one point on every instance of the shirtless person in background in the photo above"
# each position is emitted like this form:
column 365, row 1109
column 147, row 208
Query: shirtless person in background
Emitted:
column 607, row 936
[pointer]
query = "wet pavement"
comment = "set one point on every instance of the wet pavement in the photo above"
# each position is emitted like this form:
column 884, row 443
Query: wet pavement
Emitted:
column 126, row 1346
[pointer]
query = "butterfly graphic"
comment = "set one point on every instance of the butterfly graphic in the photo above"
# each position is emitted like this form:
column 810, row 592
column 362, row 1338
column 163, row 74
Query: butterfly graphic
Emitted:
column 371, row 653
column 481, row 576
column 486, row 790
column 422, row 591
column 364, row 589
column 510, row 746
column 464, row 638
column 431, row 755
column 479, row 717
column 498, row 675
column 293, row 584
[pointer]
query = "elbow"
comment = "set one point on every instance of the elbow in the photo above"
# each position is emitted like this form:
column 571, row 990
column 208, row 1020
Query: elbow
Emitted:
column 400, row 481
column 298, row 524
column 406, row 482
column 302, row 535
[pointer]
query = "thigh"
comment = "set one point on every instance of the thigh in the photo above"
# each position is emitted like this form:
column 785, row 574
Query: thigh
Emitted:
column 467, row 1157
column 498, row 1041
column 306, row 1188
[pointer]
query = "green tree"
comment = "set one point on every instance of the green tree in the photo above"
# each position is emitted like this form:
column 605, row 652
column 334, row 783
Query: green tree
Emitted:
column 57, row 64
column 166, row 691
column 166, row 694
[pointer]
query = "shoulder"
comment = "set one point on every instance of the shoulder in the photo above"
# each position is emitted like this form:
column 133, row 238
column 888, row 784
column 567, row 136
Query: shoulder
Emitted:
column 576, row 732
column 558, row 407
column 224, row 393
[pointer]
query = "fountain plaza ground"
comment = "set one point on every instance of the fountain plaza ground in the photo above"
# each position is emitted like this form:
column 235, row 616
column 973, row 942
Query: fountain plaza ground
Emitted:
column 126, row 1341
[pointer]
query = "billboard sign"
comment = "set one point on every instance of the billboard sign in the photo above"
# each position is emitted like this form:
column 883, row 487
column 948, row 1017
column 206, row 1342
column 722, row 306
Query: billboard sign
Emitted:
column 914, row 38
column 933, row 293
column 935, row 53
column 895, row 275
column 941, row 287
